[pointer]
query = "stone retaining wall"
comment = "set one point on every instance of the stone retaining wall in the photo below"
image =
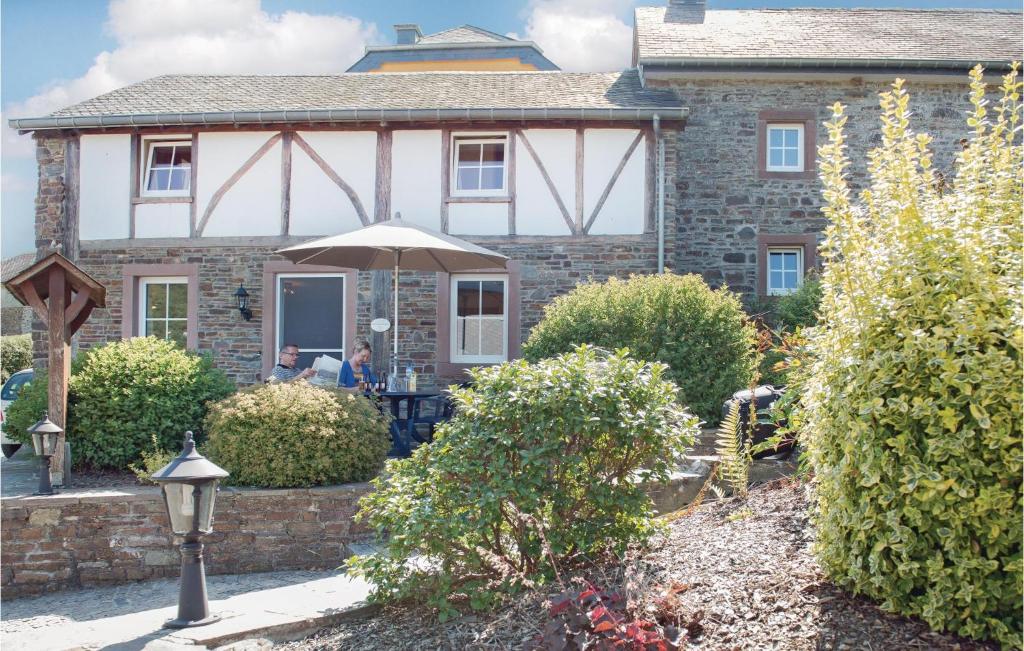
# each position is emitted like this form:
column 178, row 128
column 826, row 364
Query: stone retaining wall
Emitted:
column 75, row 541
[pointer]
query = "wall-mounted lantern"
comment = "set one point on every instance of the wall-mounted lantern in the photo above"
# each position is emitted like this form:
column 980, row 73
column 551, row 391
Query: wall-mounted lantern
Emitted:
column 242, row 297
column 189, row 487
column 45, row 435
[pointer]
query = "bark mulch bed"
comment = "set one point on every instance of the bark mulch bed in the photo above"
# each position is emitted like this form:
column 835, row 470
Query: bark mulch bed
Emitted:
column 102, row 479
column 741, row 575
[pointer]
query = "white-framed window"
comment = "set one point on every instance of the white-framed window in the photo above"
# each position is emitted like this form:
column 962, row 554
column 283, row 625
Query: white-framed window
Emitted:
column 785, row 269
column 311, row 315
column 168, row 167
column 785, row 151
column 479, row 318
column 478, row 165
column 163, row 308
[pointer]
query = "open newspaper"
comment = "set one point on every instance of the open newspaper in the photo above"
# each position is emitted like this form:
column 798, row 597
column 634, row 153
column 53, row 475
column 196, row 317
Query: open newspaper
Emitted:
column 327, row 371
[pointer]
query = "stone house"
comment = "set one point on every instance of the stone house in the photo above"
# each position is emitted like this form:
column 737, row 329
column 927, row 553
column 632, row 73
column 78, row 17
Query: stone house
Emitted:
column 175, row 191
column 15, row 318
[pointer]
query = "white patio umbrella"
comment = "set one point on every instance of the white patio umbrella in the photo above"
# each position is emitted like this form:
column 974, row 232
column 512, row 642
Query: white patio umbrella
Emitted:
column 395, row 245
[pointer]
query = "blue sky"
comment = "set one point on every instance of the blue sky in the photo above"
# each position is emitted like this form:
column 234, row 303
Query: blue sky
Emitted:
column 58, row 52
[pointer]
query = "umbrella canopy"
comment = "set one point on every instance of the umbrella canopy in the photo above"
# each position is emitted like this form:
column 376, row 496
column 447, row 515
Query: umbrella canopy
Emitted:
column 394, row 243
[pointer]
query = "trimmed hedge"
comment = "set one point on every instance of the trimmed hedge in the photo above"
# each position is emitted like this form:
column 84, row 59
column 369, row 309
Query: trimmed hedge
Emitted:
column 912, row 400
column 541, row 467
column 703, row 335
column 15, row 355
column 294, row 434
column 124, row 393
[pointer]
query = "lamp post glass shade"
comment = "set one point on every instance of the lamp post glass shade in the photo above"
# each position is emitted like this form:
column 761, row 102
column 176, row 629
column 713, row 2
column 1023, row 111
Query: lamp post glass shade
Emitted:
column 189, row 487
column 45, row 434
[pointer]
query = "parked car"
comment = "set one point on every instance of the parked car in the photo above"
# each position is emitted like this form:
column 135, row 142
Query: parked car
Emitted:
column 11, row 388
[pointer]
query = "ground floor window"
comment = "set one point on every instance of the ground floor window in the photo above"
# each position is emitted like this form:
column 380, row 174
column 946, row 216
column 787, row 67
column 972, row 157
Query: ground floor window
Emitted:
column 163, row 308
column 479, row 318
column 785, row 270
column 311, row 315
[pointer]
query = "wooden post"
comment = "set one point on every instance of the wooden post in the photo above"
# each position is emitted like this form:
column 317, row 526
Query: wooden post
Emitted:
column 60, row 364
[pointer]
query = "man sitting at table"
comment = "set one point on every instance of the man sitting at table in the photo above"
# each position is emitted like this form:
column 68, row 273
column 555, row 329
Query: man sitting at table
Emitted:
column 285, row 370
column 356, row 368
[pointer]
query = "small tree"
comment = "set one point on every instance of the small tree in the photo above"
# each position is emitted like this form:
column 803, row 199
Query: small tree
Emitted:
column 541, row 467
column 912, row 400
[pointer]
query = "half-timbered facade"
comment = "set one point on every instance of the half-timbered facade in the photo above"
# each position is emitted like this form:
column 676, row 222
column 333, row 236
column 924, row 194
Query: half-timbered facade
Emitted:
column 179, row 189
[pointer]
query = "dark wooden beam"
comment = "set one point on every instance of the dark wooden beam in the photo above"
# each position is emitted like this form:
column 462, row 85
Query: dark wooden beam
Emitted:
column 193, row 184
column 230, row 183
column 382, row 204
column 331, row 174
column 446, row 176
column 612, row 180
column 580, row 136
column 286, row 181
column 134, row 184
column 510, row 157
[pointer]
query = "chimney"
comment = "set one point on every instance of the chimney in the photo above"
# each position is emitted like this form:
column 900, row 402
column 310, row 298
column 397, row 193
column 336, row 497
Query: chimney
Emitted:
column 686, row 11
column 407, row 34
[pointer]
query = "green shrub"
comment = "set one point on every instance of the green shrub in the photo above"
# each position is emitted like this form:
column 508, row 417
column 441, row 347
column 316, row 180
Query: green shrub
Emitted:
column 294, row 434
column 912, row 400
column 703, row 335
column 126, row 392
column 15, row 354
column 800, row 309
column 541, row 466
column 153, row 459
column 27, row 409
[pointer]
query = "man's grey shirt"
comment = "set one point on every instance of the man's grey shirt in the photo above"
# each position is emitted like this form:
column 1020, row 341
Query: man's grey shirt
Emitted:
column 282, row 373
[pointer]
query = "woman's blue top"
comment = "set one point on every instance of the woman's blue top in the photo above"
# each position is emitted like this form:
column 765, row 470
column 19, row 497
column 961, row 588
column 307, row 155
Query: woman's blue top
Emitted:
column 347, row 377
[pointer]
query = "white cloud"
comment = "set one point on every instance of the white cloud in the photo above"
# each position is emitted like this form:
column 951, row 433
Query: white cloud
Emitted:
column 156, row 37
column 582, row 35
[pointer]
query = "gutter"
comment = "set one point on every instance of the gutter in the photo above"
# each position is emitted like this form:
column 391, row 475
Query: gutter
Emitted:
column 622, row 114
column 418, row 47
column 660, row 173
column 770, row 62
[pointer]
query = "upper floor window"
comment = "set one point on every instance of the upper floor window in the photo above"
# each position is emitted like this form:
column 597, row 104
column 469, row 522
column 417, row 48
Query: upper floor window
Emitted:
column 168, row 167
column 785, row 270
column 479, row 165
column 785, row 148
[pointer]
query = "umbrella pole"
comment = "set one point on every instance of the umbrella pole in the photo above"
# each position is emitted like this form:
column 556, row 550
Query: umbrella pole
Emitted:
column 394, row 329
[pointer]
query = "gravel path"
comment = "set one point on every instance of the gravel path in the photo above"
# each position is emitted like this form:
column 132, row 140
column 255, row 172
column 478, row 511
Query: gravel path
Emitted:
column 743, row 571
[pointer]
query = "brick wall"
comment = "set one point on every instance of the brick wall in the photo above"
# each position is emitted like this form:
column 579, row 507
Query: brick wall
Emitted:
column 722, row 204
column 62, row 542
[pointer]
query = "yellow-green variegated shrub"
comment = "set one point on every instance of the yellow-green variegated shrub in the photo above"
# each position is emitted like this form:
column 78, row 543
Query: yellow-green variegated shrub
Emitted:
column 912, row 401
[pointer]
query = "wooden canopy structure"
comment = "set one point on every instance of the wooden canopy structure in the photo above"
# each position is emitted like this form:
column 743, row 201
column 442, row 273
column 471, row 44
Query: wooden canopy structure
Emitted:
column 63, row 296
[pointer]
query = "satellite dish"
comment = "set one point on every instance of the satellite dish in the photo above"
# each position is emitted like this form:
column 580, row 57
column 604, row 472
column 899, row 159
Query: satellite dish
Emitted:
column 380, row 325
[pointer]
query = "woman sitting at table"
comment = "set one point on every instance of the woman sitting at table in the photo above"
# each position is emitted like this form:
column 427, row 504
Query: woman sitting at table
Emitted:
column 357, row 368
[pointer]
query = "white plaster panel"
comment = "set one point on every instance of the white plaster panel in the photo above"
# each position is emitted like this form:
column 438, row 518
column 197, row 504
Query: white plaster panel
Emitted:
column 537, row 212
column 416, row 177
column 104, row 168
column 318, row 206
column 478, row 219
column 623, row 210
column 253, row 205
column 161, row 220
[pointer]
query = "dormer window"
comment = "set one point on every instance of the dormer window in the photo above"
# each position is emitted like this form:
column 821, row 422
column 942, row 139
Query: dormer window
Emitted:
column 479, row 165
column 168, row 170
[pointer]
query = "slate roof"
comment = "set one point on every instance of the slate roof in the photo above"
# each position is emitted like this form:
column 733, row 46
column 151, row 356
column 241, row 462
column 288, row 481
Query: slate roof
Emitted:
column 203, row 99
column 13, row 266
column 464, row 34
column 954, row 37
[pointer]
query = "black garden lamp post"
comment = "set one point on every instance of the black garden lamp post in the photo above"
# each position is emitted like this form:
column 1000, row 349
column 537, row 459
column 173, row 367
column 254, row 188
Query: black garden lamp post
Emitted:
column 45, row 435
column 189, row 487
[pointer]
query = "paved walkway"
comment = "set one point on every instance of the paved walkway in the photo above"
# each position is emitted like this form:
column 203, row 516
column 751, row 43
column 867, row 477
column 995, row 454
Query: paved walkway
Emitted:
column 276, row 605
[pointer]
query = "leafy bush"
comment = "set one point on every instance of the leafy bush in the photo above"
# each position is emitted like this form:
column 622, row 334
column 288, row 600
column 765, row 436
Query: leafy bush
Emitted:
column 703, row 335
column 15, row 354
column 541, row 466
column 912, row 400
column 152, row 460
column 126, row 392
column 800, row 309
column 27, row 409
column 295, row 434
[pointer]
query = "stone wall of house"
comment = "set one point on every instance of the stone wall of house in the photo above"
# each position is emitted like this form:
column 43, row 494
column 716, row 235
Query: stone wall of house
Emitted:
column 722, row 204
column 63, row 542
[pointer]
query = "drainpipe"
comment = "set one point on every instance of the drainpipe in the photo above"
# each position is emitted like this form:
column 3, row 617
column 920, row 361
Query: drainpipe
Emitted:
column 660, row 172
